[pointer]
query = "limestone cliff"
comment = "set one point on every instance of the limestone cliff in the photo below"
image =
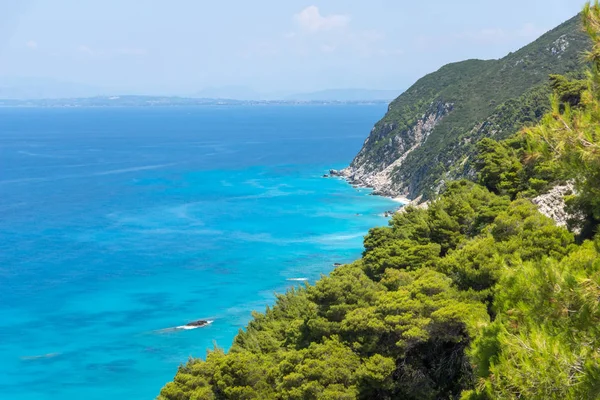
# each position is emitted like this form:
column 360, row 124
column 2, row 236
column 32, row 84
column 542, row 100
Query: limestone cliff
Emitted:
column 375, row 168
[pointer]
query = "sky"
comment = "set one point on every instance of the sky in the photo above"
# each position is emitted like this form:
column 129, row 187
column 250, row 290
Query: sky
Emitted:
column 270, row 46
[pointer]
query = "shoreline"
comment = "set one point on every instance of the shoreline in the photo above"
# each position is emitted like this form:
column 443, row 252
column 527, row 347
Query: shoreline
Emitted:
column 399, row 199
column 402, row 200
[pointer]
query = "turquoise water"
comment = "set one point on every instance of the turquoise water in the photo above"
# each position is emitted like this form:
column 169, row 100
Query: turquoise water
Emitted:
column 116, row 224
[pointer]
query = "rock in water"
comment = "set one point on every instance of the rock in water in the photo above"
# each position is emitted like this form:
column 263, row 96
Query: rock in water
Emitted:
column 198, row 324
column 335, row 172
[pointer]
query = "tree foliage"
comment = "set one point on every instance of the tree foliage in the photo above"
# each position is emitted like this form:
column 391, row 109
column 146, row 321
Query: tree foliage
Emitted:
column 470, row 100
column 479, row 296
column 422, row 314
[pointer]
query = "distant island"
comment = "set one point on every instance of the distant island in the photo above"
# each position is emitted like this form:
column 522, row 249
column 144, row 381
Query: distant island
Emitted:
column 168, row 101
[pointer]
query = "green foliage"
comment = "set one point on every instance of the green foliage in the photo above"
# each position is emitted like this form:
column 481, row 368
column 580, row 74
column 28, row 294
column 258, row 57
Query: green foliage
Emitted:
column 499, row 167
column 544, row 342
column 568, row 91
column 565, row 145
column 412, row 321
column 471, row 100
column 476, row 297
column 400, row 254
column 396, row 324
column 515, row 167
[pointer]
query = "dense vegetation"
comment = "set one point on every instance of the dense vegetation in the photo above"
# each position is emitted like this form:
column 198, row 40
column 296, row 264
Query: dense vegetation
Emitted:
column 477, row 297
column 492, row 98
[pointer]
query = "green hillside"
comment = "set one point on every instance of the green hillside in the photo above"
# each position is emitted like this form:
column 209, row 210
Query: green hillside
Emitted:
column 476, row 297
column 471, row 99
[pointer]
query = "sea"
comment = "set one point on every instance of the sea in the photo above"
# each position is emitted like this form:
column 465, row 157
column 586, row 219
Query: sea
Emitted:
column 118, row 225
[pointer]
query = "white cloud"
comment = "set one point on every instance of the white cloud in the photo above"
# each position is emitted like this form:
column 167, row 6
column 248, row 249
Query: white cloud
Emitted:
column 32, row 44
column 316, row 34
column 311, row 20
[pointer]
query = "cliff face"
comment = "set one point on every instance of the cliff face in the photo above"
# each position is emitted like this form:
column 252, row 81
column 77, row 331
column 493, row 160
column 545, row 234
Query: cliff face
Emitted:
column 376, row 163
column 428, row 134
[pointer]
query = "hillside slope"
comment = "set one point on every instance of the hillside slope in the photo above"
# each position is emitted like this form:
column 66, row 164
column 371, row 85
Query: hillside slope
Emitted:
column 476, row 297
column 427, row 134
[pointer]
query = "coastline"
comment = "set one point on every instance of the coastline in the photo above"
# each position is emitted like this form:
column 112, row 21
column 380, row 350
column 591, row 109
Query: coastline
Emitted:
column 400, row 199
column 168, row 245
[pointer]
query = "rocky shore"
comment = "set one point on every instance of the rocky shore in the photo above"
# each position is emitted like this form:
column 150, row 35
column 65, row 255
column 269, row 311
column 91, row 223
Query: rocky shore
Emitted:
column 348, row 177
column 551, row 204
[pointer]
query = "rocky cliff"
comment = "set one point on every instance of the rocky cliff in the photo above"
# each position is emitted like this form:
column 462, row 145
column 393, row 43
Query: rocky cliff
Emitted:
column 552, row 203
column 429, row 132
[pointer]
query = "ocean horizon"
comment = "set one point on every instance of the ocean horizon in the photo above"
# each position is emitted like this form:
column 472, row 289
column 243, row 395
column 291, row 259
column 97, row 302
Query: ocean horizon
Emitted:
column 118, row 225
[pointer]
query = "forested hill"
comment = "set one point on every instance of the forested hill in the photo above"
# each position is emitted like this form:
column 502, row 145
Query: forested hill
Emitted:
column 476, row 297
column 428, row 133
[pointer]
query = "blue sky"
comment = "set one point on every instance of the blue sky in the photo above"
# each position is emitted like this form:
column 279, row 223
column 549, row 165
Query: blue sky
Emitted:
column 182, row 46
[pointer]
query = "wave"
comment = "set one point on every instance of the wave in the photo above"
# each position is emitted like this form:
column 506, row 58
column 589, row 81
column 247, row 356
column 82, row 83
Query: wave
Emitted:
column 28, row 153
column 400, row 199
column 297, row 279
column 273, row 192
column 63, row 166
column 40, row 357
column 266, row 195
column 133, row 169
column 24, row 180
column 337, row 237
column 254, row 182
column 182, row 212
column 184, row 327
column 189, row 328
column 102, row 173
column 182, row 231
column 318, row 239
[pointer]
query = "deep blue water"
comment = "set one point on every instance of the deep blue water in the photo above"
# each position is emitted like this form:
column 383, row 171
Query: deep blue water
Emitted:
column 118, row 223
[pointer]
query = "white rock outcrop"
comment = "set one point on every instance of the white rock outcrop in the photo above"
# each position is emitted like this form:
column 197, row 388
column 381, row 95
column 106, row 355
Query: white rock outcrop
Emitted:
column 377, row 173
column 552, row 204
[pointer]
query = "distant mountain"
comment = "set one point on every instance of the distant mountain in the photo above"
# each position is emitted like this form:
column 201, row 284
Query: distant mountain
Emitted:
column 229, row 92
column 346, row 95
column 33, row 88
column 328, row 95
